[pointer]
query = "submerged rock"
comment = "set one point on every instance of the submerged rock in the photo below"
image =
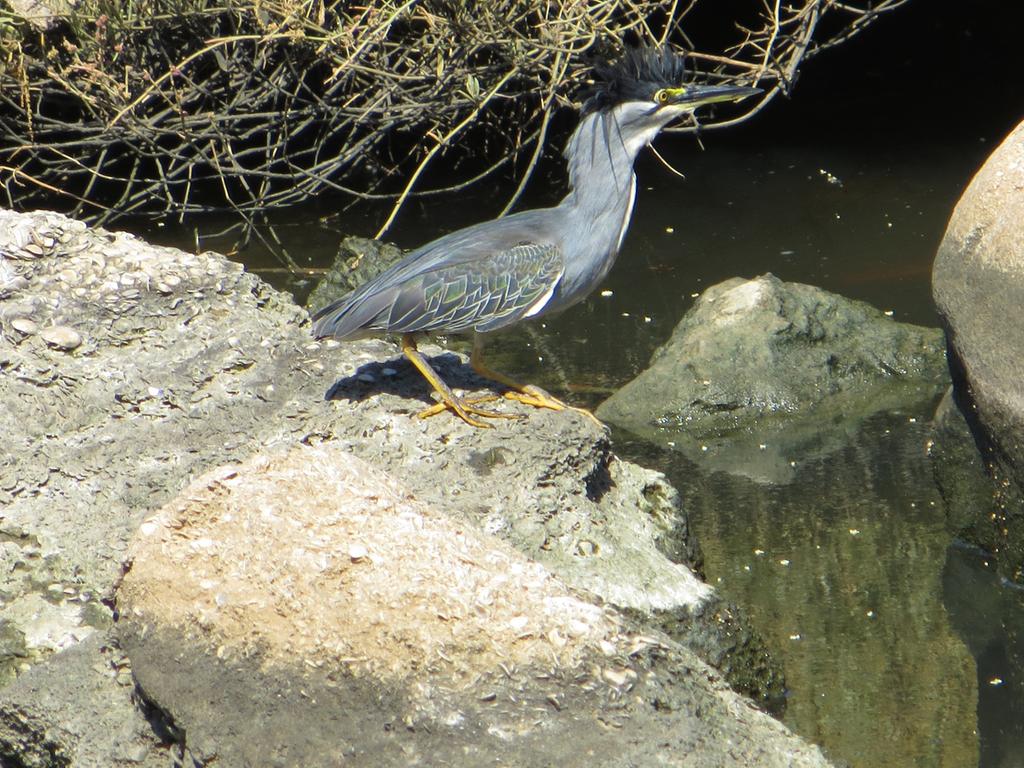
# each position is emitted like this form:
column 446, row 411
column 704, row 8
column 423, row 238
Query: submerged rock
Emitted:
column 761, row 372
column 249, row 619
column 358, row 260
column 978, row 284
column 987, row 612
column 970, row 501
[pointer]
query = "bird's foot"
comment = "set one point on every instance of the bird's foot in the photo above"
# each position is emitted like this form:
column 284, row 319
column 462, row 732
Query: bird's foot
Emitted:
column 538, row 398
column 466, row 408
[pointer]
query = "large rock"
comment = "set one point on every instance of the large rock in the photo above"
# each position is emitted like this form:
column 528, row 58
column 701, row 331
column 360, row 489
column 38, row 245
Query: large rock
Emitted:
column 760, row 373
column 304, row 608
column 187, row 361
column 978, row 284
column 128, row 369
column 125, row 368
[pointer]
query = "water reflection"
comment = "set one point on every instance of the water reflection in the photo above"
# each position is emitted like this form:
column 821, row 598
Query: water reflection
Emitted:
column 840, row 569
column 989, row 615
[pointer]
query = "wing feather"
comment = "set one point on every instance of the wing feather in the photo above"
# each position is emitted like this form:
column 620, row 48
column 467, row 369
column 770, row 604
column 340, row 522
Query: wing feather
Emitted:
column 482, row 295
column 480, row 278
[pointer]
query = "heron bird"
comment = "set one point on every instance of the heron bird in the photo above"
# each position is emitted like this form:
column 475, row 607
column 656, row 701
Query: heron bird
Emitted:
column 492, row 275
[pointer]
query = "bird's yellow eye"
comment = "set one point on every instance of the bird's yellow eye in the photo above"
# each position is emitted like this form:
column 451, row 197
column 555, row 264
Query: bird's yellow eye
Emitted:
column 662, row 96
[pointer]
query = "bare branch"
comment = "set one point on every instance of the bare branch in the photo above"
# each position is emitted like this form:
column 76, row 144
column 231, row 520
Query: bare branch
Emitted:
column 183, row 106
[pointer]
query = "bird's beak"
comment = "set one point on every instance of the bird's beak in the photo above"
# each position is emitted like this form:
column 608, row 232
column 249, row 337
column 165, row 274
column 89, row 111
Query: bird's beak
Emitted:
column 693, row 96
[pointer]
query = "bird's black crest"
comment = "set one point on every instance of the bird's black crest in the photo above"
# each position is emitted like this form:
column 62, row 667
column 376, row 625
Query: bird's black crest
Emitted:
column 635, row 76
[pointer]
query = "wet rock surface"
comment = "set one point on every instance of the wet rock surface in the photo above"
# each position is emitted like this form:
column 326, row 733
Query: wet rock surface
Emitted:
column 174, row 363
column 756, row 368
column 978, row 284
column 305, row 609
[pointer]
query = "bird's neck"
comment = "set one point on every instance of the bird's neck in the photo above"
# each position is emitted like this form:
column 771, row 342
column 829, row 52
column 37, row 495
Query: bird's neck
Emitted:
column 601, row 165
column 600, row 203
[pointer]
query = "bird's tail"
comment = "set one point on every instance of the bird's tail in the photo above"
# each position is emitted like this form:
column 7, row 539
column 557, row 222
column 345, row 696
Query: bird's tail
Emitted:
column 328, row 320
column 351, row 317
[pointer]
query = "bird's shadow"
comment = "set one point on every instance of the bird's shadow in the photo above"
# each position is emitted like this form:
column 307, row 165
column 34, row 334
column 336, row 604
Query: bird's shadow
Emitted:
column 400, row 377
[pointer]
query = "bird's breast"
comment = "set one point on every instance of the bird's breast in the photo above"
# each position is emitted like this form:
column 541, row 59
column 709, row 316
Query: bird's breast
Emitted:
column 594, row 244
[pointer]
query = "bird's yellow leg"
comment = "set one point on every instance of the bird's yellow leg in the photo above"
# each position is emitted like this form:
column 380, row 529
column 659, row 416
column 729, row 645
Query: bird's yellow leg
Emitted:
column 464, row 408
column 528, row 394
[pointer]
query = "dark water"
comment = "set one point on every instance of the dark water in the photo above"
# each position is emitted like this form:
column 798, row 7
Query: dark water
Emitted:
column 897, row 646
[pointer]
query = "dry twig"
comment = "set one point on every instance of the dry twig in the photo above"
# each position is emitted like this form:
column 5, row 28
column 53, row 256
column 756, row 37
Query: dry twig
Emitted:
column 182, row 106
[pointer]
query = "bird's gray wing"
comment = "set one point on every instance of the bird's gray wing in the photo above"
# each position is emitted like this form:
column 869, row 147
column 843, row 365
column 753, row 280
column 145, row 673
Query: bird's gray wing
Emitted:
column 522, row 246
column 484, row 294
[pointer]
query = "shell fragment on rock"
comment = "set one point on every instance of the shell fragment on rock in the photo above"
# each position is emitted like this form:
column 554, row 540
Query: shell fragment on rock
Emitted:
column 24, row 326
column 62, row 337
